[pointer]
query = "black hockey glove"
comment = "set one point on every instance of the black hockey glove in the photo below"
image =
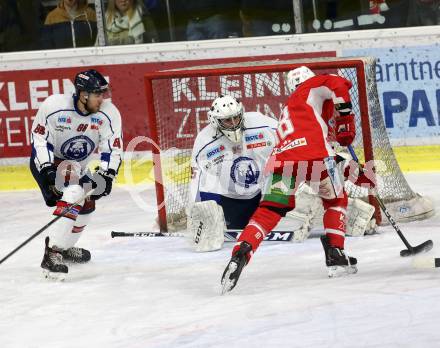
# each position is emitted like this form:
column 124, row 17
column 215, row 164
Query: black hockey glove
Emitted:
column 102, row 183
column 48, row 174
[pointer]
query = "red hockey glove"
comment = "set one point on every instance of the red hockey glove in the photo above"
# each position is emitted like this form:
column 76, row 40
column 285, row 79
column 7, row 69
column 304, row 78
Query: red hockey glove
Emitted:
column 366, row 176
column 345, row 129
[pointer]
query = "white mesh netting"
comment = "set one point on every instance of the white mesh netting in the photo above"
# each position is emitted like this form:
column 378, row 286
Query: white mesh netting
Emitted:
column 182, row 97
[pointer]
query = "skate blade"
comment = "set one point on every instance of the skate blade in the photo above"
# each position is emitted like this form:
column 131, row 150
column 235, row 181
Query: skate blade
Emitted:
column 54, row 276
column 340, row 271
column 227, row 283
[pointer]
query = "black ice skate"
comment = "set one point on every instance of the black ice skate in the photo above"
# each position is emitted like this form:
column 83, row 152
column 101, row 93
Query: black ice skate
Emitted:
column 76, row 255
column 235, row 266
column 337, row 262
column 53, row 263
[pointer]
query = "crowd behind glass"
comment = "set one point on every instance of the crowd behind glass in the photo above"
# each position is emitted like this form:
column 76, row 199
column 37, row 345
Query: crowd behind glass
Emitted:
column 39, row 24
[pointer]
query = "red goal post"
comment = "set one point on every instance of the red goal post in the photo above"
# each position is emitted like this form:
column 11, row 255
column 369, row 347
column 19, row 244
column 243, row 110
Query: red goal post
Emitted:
column 179, row 99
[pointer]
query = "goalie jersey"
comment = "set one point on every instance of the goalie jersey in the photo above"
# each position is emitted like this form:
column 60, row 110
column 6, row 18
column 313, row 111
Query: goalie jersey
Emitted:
column 61, row 132
column 234, row 170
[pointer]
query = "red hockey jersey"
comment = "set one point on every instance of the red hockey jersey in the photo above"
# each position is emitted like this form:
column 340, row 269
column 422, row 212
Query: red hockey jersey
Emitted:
column 307, row 124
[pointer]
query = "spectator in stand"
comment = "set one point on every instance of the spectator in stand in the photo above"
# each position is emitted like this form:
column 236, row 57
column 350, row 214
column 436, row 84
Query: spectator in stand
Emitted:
column 424, row 12
column 10, row 25
column 262, row 17
column 71, row 24
column 159, row 14
column 212, row 19
column 20, row 25
column 128, row 22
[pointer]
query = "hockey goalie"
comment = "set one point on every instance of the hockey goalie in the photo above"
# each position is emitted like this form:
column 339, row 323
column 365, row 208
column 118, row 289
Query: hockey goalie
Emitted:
column 228, row 159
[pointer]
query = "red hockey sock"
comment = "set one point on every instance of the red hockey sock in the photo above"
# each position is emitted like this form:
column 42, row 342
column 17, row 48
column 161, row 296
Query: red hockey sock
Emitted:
column 334, row 226
column 260, row 224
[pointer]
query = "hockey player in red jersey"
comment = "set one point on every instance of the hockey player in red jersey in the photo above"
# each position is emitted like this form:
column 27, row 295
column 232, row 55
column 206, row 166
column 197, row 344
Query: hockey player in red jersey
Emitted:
column 318, row 109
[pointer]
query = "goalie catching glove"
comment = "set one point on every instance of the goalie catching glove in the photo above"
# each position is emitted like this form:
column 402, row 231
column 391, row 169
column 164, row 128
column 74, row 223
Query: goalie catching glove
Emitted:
column 206, row 226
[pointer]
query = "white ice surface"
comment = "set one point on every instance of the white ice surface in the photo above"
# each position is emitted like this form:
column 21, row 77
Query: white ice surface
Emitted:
column 155, row 292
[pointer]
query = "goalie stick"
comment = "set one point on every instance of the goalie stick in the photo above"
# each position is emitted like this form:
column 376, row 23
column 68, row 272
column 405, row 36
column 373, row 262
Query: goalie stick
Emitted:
column 411, row 250
column 230, row 235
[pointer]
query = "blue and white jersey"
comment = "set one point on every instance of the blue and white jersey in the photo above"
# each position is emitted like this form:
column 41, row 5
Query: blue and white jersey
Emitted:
column 235, row 170
column 61, row 131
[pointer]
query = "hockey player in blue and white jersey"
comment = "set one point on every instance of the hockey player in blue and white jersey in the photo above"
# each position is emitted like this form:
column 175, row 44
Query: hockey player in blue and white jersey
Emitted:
column 228, row 159
column 66, row 131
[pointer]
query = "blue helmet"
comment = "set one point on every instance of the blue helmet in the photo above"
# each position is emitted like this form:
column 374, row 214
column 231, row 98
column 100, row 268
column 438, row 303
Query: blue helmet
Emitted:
column 90, row 81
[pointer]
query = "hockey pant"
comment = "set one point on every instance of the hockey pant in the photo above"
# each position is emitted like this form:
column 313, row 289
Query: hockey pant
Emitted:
column 237, row 212
column 279, row 198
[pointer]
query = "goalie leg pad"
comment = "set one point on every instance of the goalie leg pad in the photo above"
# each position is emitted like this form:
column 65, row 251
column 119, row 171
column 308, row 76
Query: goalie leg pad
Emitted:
column 360, row 215
column 206, row 226
column 307, row 206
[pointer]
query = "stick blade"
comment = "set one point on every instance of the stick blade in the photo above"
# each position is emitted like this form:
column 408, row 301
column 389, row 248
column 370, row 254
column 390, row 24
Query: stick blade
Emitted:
column 424, row 247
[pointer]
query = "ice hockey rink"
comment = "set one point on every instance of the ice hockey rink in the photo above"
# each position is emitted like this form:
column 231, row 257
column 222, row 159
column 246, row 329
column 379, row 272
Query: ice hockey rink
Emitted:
column 156, row 292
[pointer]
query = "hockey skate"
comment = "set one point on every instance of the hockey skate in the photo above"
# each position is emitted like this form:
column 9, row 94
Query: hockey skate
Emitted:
column 53, row 263
column 76, row 255
column 235, row 266
column 337, row 262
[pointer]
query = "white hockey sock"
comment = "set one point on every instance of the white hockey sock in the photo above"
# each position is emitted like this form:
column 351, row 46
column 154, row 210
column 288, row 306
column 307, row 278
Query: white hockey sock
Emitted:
column 60, row 233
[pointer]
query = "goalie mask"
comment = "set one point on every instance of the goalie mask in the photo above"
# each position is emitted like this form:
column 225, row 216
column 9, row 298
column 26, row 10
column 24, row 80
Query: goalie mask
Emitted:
column 226, row 116
column 297, row 76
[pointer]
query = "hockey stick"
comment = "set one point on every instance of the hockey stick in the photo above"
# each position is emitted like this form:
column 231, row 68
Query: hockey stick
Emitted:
column 45, row 227
column 425, row 246
column 146, row 234
column 230, row 235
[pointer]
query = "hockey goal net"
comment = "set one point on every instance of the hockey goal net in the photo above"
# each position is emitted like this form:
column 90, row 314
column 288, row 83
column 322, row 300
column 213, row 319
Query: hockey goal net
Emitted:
column 178, row 102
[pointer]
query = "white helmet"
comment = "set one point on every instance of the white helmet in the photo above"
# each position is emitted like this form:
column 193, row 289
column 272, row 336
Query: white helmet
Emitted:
column 297, row 76
column 226, row 115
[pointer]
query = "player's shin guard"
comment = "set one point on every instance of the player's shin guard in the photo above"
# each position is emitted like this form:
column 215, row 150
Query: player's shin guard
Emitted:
column 334, row 220
column 61, row 235
column 260, row 224
column 75, row 254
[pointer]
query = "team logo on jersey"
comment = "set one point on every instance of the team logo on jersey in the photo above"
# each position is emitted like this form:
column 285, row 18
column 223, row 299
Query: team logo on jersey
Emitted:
column 96, row 120
column 254, row 137
column 77, row 148
column 95, row 123
column 215, row 151
column 64, row 119
column 256, row 145
column 244, row 172
column 291, row 145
